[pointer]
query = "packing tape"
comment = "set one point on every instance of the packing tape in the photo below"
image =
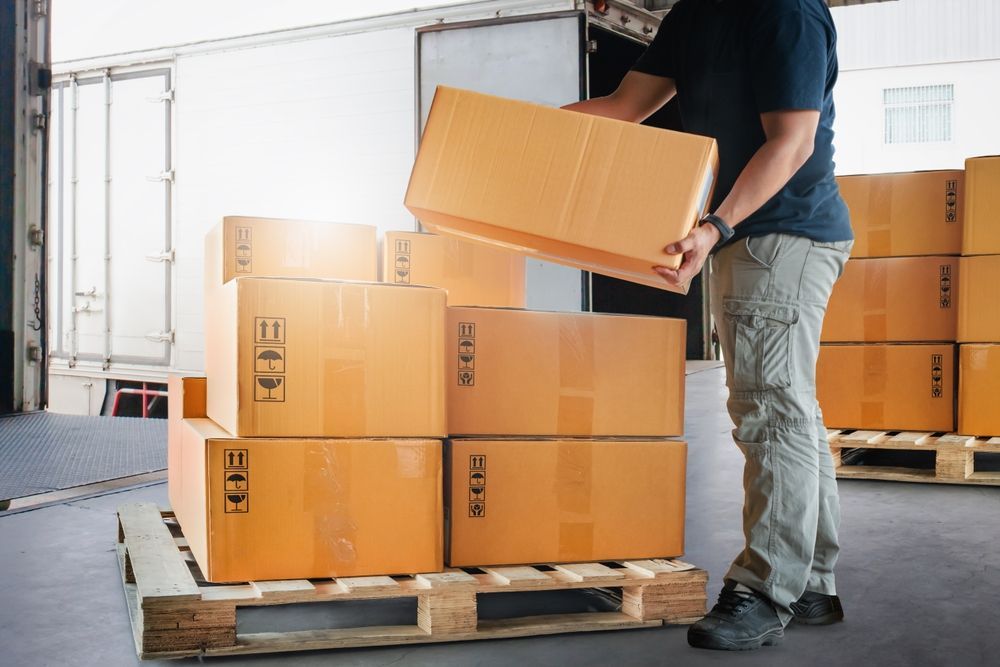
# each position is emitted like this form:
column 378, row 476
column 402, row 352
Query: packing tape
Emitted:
column 574, row 494
column 879, row 233
column 874, row 380
column 575, row 415
column 875, row 301
column 327, row 474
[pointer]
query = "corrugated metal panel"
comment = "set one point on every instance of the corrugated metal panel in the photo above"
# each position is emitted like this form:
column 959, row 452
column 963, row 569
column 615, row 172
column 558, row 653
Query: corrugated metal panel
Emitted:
column 915, row 32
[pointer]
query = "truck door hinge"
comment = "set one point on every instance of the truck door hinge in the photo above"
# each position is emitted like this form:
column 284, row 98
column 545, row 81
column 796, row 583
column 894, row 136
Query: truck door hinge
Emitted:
column 40, row 8
column 590, row 46
column 39, row 121
column 165, row 96
column 36, row 236
column 34, row 352
column 39, row 78
column 162, row 176
column 161, row 336
column 165, row 256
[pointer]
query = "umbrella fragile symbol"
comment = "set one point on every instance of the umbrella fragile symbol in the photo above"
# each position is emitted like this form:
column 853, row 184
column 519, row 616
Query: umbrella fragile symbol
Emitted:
column 236, row 482
column 270, row 360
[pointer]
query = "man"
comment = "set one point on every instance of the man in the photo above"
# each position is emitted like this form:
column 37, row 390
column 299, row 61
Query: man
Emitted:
column 758, row 76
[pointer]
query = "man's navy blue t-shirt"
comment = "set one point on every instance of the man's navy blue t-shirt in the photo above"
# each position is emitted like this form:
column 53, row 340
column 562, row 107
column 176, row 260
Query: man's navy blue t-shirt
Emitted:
column 733, row 60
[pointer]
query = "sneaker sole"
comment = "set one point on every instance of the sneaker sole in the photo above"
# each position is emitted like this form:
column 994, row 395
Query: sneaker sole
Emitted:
column 704, row 640
column 825, row 619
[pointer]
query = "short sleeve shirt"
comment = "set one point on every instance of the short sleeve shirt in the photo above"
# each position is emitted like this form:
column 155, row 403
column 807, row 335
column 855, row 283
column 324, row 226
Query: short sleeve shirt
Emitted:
column 733, row 60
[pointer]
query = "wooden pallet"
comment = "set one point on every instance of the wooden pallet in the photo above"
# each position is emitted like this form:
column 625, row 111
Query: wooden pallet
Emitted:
column 174, row 616
column 954, row 456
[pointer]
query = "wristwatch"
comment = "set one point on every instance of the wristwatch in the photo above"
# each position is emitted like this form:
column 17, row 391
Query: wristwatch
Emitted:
column 725, row 231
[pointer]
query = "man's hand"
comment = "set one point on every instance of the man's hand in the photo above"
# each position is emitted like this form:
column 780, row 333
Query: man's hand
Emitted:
column 695, row 248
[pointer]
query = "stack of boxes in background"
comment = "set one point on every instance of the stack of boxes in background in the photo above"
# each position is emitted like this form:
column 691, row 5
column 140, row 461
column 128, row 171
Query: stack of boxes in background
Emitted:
column 317, row 449
column 979, row 301
column 887, row 359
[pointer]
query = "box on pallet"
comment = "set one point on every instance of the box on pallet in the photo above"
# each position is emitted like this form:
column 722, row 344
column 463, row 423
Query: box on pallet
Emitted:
column 243, row 246
column 320, row 358
column 186, row 399
column 894, row 299
column 905, row 214
column 549, row 501
column 903, row 387
column 596, row 193
column 520, row 372
column 981, row 234
column 473, row 274
column 978, row 302
column 286, row 508
column 978, row 389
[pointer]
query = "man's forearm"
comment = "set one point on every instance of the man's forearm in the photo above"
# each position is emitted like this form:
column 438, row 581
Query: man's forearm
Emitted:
column 609, row 107
column 769, row 170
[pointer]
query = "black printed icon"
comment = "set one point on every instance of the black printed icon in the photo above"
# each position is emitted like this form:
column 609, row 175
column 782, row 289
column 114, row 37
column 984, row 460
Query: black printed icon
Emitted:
column 945, row 286
column 467, row 361
column 467, row 329
column 402, row 246
column 951, row 201
column 402, row 261
column 237, row 503
column 269, row 388
column 466, row 378
column 466, row 345
column 477, row 478
column 402, row 276
column 242, row 250
column 269, row 329
column 237, row 459
column 477, row 462
column 269, row 359
column 243, row 233
column 477, row 493
column 937, row 376
column 477, row 509
column 236, row 481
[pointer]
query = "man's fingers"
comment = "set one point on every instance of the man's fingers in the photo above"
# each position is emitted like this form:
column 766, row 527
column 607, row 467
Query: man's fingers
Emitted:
column 670, row 275
column 681, row 246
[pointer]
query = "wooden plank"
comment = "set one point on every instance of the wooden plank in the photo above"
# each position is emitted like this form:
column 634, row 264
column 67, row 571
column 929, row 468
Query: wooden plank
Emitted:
column 451, row 613
column 449, row 579
column 368, row 585
column 953, row 440
column 862, row 438
column 885, row 473
column 589, row 572
column 518, row 576
column 657, row 568
column 953, row 463
column 160, row 573
column 284, row 590
column 914, row 438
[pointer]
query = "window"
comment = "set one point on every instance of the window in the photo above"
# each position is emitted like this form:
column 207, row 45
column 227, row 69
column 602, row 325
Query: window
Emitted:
column 918, row 114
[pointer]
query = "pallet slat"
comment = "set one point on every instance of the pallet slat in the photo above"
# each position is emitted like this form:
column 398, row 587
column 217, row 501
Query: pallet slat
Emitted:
column 176, row 620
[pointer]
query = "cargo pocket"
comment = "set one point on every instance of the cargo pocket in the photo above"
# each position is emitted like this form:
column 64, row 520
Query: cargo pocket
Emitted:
column 762, row 337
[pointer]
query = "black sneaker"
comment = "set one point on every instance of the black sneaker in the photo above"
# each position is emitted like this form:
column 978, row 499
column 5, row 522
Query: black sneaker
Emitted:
column 817, row 609
column 738, row 622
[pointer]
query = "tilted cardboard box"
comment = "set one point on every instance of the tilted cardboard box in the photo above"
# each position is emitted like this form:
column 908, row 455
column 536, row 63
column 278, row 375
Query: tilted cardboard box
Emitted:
column 285, row 508
column 521, row 372
column 901, row 387
column 979, row 299
column 894, row 299
column 595, row 193
column 323, row 358
column 981, row 234
column 978, row 390
column 905, row 214
column 473, row 274
column 185, row 400
column 550, row 501
column 275, row 247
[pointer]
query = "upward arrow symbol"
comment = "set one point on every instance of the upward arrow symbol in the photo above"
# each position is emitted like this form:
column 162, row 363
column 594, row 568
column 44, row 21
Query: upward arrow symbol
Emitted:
column 263, row 328
column 277, row 329
column 231, row 456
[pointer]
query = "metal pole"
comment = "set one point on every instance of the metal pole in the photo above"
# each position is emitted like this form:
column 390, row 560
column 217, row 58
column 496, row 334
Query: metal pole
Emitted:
column 74, row 246
column 107, row 219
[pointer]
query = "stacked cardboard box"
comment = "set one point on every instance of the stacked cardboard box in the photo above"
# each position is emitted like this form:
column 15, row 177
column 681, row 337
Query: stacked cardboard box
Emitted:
column 887, row 359
column 316, row 450
column 978, row 304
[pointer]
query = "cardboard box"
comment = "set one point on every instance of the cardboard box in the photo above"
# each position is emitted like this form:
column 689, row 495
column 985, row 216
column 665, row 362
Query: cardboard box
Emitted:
column 981, row 234
column 894, row 299
column 185, row 400
column 978, row 301
column 978, row 388
column 595, row 193
column 905, row 214
column 473, row 274
column 887, row 387
column 273, row 247
column 550, row 501
column 520, row 372
column 315, row 358
column 283, row 508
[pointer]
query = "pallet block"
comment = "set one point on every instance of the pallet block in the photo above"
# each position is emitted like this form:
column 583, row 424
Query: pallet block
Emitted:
column 173, row 616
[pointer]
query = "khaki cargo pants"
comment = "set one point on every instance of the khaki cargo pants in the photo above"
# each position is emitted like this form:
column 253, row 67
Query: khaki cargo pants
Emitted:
column 768, row 297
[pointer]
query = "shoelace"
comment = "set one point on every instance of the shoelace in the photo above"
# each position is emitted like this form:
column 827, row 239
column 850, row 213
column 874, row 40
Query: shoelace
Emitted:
column 734, row 603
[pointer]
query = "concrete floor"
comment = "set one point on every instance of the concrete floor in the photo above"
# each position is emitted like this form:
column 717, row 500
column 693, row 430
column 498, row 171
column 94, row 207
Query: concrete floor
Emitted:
column 919, row 575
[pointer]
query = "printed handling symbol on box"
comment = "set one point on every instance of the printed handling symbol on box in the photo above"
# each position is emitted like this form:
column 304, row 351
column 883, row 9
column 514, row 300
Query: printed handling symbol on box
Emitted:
column 466, row 346
column 269, row 359
column 402, row 246
column 467, row 362
column 236, row 459
column 466, row 378
column 269, row 330
column 269, row 388
column 237, row 481
column 477, row 462
column 237, row 503
column 466, row 329
column 477, row 478
column 244, row 250
column 402, row 276
column 477, row 510
column 477, row 493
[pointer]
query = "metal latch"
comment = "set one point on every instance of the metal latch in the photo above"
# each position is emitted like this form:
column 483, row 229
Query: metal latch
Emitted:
column 165, row 256
column 161, row 336
column 34, row 352
column 162, row 176
column 590, row 46
column 39, row 121
column 165, row 96
column 86, row 308
column 91, row 292
column 41, row 8
column 36, row 236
